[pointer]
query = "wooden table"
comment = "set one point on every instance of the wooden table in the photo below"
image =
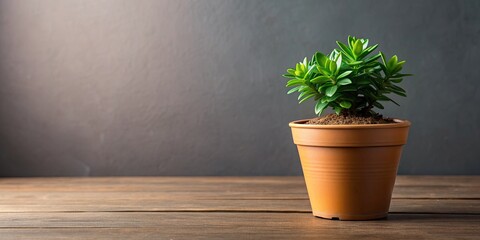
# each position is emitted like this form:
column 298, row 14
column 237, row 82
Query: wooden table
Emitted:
column 423, row 207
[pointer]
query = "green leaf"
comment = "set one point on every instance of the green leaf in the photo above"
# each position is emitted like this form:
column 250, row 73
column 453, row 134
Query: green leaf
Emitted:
column 338, row 110
column 324, row 99
column 320, row 79
column 376, row 74
column 383, row 58
column 351, row 41
column 294, row 82
column 305, row 98
column 385, row 98
column 357, row 48
column 365, row 43
column 354, row 63
column 288, row 76
column 294, row 89
column 363, row 82
column 368, row 50
column 397, row 88
column 401, row 63
column 324, row 86
column 384, row 69
column 399, row 93
column 346, row 104
column 309, row 70
column 398, row 67
column 370, row 68
column 402, row 75
column 372, row 59
column 396, row 80
column 344, row 81
column 319, row 107
column 320, row 58
column 369, row 92
column 331, row 90
column 392, row 62
column 344, row 74
column 333, row 66
column 349, row 88
column 306, row 92
column 323, row 70
column 344, row 48
column 378, row 105
column 334, row 97
column 339, row 61
column 333, row 55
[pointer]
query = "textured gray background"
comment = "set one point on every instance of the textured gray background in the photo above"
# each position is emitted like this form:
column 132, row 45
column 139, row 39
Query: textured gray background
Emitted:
column 194, row 87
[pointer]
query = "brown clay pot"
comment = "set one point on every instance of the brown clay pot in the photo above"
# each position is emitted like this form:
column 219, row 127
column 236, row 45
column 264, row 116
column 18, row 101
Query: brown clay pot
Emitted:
column 350, row 170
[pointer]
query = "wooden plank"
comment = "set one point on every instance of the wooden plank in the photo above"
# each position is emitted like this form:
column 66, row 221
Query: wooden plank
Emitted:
column 231, row 226
column 154, row 184
column 123, row 182
column 117, row 202
column 414, row 180
column 450, row 187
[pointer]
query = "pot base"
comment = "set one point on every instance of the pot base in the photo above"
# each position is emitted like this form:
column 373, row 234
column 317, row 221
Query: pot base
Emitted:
column 349, row 217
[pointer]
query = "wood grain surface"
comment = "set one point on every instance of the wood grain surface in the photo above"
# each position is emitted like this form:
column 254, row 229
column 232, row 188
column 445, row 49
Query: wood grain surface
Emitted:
column 423, row 207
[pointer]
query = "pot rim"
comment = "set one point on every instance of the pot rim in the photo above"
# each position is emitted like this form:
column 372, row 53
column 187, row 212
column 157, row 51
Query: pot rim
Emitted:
column 398, row 124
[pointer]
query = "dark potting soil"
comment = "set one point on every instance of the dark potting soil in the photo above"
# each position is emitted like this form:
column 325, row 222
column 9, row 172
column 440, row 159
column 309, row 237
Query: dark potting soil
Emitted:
column 344, row 119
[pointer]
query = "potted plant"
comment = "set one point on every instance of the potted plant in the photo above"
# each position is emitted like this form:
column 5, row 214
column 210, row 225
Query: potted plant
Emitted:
column 349, row 158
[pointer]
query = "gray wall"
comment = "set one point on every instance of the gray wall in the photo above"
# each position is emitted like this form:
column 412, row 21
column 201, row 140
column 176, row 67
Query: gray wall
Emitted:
column 194, row 88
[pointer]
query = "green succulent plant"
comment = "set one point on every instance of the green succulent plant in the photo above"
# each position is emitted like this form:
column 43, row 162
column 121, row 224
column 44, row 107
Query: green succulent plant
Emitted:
column 349, row 79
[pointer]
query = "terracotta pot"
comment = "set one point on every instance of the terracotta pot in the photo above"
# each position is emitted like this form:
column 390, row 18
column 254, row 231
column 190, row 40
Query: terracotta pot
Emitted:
column 350, row 170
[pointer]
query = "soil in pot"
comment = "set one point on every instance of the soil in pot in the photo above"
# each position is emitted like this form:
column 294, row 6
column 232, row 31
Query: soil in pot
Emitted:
column 349, row 119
